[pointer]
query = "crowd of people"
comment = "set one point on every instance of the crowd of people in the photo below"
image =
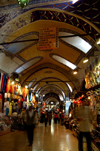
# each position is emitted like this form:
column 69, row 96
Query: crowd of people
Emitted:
column 30, row 117
column 46, row 117
column 82, row 113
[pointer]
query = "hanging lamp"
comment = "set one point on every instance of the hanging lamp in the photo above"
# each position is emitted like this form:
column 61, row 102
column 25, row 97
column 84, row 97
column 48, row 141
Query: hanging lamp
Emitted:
column 23, row 3
column 85, row 60
column 98, row 41
column 75, row 72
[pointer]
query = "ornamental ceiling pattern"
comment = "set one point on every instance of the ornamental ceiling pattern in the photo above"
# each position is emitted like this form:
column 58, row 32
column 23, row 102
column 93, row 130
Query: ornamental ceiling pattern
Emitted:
column 18, row 24
column 84, row 8
column 66, row 18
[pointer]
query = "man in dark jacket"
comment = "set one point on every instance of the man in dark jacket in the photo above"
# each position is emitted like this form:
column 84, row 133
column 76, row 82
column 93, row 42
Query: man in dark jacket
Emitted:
column 30, row 120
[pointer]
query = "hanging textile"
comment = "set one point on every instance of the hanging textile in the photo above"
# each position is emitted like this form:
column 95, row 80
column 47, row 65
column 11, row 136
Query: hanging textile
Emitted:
column 7, row 85
column 0, row 82
column 15, row 88
column 1, row 97
column 24, row 92
column 4, row 83
column 31, row 96
column 1, row 74
column 10, row 86
column 10, row 109
column 2, row 77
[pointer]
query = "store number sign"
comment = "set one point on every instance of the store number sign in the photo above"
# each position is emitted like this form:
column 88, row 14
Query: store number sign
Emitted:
column 48, row 38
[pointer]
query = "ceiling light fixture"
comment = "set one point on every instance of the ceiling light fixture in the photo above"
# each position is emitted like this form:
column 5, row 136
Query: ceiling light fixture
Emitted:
column 12, row 82
column 98, row 41
column 85, row 60
column 74, row 1
column 26, row 86
column 36, row 95
column 75, row 72
column 17, row 79
column 23, row 3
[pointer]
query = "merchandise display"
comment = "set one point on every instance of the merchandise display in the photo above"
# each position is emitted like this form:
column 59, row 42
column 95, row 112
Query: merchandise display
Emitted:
column 93, row 96
column 5, row 125
column 74, row 127
column 92, row 77
column 95, row 135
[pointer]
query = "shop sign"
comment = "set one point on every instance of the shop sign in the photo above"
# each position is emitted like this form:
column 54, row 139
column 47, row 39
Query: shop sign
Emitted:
column 48, row 38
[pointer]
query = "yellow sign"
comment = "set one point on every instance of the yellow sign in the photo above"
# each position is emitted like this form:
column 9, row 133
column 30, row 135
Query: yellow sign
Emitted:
column 48, row 38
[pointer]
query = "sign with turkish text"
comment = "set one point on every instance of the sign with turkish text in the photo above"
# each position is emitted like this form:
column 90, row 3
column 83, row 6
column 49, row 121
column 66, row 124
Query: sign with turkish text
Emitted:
column 48, row 38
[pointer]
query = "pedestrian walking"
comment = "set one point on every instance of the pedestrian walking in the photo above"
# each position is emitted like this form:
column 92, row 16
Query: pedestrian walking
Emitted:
column 31, row 120
column 62, row 118
column 46, row 118
column 50, row 117
column 83, row 114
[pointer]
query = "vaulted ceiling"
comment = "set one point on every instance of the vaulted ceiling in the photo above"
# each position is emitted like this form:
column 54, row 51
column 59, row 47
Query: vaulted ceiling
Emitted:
column 46, row 70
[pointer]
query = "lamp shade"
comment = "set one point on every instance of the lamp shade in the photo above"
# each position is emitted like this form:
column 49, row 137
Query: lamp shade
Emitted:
column 23, row 3
column 75, row 72
column 98, row 41
column 85, row 60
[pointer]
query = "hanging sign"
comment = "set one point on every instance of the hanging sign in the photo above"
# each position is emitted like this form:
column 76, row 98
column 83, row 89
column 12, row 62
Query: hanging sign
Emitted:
column 48, row 38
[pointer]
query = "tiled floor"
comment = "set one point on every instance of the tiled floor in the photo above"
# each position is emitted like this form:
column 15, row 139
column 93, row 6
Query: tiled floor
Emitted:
column 50, row 138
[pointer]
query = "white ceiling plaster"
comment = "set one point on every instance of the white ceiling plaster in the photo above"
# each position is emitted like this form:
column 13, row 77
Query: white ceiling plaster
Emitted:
column 17, row 60
column 27, row 65
column 64, row 34
column 6, row 64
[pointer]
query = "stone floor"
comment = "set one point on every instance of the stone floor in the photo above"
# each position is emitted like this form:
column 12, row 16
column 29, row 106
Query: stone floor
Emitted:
column 50, row 138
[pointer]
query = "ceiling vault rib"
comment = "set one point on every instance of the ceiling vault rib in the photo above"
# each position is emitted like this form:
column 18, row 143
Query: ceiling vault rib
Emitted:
column 52, row 81
column 52, row 66
column 38, row 39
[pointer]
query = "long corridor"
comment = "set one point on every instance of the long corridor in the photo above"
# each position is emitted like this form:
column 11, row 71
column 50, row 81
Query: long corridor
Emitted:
column 50, row 138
